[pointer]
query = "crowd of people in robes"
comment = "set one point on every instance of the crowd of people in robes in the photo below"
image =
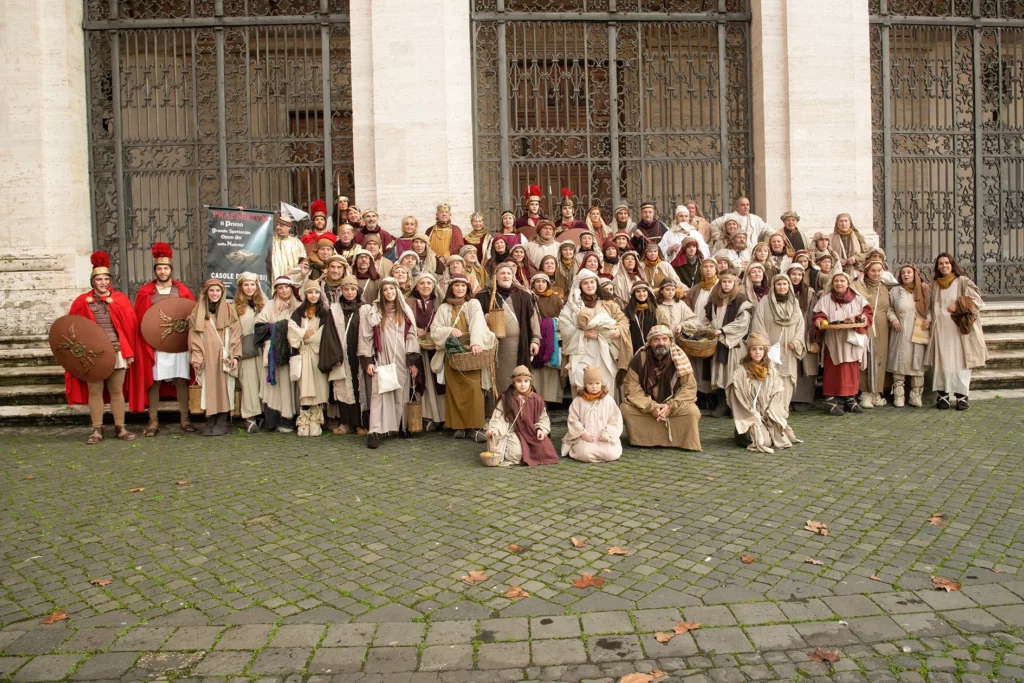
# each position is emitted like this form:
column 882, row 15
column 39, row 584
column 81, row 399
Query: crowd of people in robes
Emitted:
column 640, row 326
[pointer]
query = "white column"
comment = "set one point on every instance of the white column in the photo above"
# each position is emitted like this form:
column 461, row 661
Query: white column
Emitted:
column 812, row 111
column 44, row 165
column 412, row 108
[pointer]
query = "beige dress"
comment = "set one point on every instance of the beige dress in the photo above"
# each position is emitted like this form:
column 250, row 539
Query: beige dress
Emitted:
column 250, row 370
column 872, row 378
column 600, row 418
column 207, row 349
column 281, row 396
column 387, row 410
column 953, row 355
column 759, row 410
column 905, row 357
column 313, row 386
column 733, row 335
column 783, row 335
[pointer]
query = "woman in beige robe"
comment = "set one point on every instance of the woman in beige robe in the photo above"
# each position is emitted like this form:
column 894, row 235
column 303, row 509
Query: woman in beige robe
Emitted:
column 278, row 397
column 908, row 306
column 757, row 398
column 807, row 370
column 387, row 336
column 848, row 243
column 424, row 301
column 305, row 332
column 248, row 303
column 594, row 424
column 778, row 318
column 875, row 292
column 593, row 331
column 215, row 347
column 729, row 313
column 673, row 312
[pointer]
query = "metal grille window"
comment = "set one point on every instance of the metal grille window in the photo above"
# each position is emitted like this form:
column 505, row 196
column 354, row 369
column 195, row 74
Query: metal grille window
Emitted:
column 616, row 100
column 948, row 120
column 211, row 102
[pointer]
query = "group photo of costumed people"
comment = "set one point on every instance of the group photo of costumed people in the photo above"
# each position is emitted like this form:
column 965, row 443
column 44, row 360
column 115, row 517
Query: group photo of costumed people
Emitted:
column 638, row 326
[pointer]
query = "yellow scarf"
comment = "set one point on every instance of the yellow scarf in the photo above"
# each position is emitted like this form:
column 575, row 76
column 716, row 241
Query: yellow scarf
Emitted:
column 945, row 281
column 758, row 371
column 708, row 285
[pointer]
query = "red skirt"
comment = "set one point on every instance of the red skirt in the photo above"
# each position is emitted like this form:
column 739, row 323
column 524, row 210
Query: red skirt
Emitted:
column 839, row 380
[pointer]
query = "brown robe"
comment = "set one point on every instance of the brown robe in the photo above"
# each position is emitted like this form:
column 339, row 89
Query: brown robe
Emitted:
column 679, row 393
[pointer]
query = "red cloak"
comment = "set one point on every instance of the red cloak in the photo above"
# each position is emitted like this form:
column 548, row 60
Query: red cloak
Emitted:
column 145, row 359
column 127, row 327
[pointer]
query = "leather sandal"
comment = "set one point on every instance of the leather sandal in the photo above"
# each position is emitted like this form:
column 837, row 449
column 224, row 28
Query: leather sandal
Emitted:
column 152, row 429
column 187, row 426
column 124, row 435
column 96, row 436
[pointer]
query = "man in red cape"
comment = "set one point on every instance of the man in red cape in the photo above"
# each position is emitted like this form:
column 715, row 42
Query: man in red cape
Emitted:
column 173, row 368
column 113, row 312
column 318, row 212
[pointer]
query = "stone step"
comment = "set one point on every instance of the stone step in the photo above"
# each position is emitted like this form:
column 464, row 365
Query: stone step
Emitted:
column 997, row 378
column 1003, row 309
column 24, row 342
column 999, row 341
column 17, row 357
column 32, row 394
column 31, row 374
column 55, row 414
column 1005, row 358
column 1003, row 323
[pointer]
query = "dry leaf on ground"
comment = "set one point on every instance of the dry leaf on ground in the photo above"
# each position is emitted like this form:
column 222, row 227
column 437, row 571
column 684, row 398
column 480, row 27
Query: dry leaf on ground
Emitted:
column 59, row 615
column 682, row 627
column 747, row 559
column 936, row 519
column 587, row 580
column 138, row 490
column 616, row 550
column 515, row 548
column 939, row 583
column 811, row 560
column 516, row 592
column 183, row 482
column 642, row 678
column 29, row 476
column 997, row 571
column 449, row 507
column 820, row 655
column 664, row 637
column 874, row 577
column 607, row 571
column 100, row 582
column 474, row 576
column 579, row 542
column 816, row 527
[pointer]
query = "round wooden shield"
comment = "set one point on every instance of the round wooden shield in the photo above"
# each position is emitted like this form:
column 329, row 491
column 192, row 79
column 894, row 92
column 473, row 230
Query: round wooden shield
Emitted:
column 573, row 234
column 165, row 325
column 82, row 348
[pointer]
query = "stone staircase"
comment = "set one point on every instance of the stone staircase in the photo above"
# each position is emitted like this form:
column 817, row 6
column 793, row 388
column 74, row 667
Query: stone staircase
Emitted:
column 32, row 384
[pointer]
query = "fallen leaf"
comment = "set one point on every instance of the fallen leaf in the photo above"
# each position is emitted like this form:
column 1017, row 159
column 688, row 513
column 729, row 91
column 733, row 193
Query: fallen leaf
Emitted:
column 516, row 592
column 514, row 548
column 820, row 655
column 997, row 571
column 664, row 637
column 936, row 519
column 874, row 577
column 474, row 576
column 747, row 559
column 609, row 571
column 183, row 482
column 100, row 582
column 587, row 580
column 616, row 550
column 816, row 527
column 579, row 542
column 138, row 490
column 642, row 678
column 448, row 508
column 682, row 627
column 811, row 560
column 939, row 583
column 29, row 476
column 59, row 615
column 710, row 479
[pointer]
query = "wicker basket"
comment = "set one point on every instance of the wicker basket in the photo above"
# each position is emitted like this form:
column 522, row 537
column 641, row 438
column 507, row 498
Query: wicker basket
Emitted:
column 490, row 459
column 703, row 348
column 466, row 362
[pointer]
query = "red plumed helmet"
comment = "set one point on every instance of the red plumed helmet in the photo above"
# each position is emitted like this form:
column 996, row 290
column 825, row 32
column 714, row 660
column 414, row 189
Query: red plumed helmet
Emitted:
column 318, row 208
column 162, row 250
column 566, row 192
column 531, row 192
column 100, row 259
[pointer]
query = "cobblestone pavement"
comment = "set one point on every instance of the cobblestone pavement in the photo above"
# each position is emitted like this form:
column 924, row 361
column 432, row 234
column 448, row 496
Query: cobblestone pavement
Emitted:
column 272, row 558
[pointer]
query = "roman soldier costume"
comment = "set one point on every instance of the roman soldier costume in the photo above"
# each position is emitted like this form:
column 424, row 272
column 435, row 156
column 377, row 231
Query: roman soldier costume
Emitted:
column 161, row 372
column 316, row 209
column 318, row 266
column 114, row 314
column 532, row 194
column 568, row 201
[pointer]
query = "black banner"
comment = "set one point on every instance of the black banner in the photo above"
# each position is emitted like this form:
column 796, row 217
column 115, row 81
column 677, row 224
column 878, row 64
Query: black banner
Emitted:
column 237, row 242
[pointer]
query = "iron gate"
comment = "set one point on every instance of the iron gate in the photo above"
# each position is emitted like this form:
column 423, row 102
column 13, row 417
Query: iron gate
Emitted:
column 210, row 102
column 613, row 99
column 947, row 80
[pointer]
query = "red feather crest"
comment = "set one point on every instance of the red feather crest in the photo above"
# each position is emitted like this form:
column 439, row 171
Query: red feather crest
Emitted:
column 100, row 259
column 532, row 191
column 566, row 192
column 318, row 207
column 161, row 250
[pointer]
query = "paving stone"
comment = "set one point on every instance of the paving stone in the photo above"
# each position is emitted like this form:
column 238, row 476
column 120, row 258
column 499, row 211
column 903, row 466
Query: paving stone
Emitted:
column 319, row 615
column 451, row 633
column 337, row 660
column 548, row 652
column 503, row 655
column 847, row 606
column 943, row 600
column 973, row 620
column 245, row 637
column 1011, row 614
column 390, row 612
column 666, row 597
column 924, row 625
column 90, row 640
column 219, row 663
column 554, row 627
column 391, row 660
column 788, row 589
column 530, row 607
column 712, row 615
column 38, row 642
column 298, row 635
column 193, row 638
column 143, row 638
column 111, row 665
column 826, row 634
column 391, row 634
column 446, row 658
column 9, row 665
column 805, row 610
column 250, row 615
column 348, row 635
column 679, row 646
column 776, row 637
column 465, row 609
column 118, row 618
column 901, row 603
column 611, row 648
column 602, row 602
column 607, row 622
column 722, row 640
column 656, row 619
column 497, row 630
column 162, row 662
column 183, row 617
column 729, row 594
column 876, row 629
column 990, row 595
column 284, row 660
column 47, row 668
column 757, row 613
